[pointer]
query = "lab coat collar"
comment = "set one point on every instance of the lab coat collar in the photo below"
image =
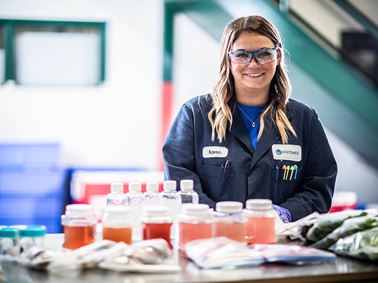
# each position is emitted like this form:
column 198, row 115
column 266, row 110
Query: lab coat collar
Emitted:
column 240, row 132
column 269, row 137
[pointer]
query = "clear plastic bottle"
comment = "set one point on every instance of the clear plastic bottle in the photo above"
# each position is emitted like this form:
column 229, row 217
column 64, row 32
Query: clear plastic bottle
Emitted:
column 9, row 243
column 31, row 236
column 116, row 224
column 116, row 195
column 170, row 197
column 135, row 200
column 260, row 221
column 187, row 193
column 195, row 222
column 229, row 221
column 152, row 196
column 79, row 224
column 157, row 223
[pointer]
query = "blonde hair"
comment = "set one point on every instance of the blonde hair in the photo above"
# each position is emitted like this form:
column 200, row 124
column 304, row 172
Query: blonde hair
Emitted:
column 220, row 115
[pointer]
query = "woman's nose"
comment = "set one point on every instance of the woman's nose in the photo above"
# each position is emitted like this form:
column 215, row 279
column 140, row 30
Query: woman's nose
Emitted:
column 254, row 62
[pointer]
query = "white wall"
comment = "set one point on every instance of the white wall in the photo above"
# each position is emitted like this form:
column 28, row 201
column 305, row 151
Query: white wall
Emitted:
column 196, row 61
column 115, row 124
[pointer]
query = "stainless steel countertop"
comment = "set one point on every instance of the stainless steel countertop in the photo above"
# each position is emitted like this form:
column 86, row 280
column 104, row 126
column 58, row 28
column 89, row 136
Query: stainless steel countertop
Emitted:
column 342, row 270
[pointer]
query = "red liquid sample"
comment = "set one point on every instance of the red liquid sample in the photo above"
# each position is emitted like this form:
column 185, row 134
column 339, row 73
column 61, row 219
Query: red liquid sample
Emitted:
column 156, row 231
column 234, row 230
column 122, row 234
column 260, row 230
column 77, row 236
column 194, row 231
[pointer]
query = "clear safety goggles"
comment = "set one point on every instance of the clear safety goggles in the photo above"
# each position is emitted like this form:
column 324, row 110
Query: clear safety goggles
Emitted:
column 261, row 56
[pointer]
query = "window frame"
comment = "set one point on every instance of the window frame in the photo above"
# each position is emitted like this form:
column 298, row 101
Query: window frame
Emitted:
column 10, row 25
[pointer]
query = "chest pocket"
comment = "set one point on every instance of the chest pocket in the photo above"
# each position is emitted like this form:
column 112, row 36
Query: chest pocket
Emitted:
column 217, row 181
column 286, row 178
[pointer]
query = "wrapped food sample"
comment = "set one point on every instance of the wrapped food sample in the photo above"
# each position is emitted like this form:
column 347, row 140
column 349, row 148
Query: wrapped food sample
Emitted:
column 326, row 223
column 222, row 252
column 361, row 245
column 293, row 254
column 349, row 227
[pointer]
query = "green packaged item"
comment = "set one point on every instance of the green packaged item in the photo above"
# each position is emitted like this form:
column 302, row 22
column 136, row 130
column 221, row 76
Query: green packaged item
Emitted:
column 327, row 223
column 361, row 245
column 349, row 227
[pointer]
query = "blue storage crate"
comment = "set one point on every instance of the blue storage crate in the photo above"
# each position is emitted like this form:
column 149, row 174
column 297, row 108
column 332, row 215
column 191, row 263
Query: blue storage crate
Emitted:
column 32, row 211
column 31, row 182
column 11, row 207
column 20, row 155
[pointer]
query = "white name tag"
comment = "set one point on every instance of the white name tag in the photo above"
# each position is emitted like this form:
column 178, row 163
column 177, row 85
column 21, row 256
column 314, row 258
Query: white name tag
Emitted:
column 287, row 152
column 214, row 151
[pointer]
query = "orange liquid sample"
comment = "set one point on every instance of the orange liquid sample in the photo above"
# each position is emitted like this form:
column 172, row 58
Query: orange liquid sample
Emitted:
column 122, row 234
column 194, row 231
column 233, row 230
column 260, row 230
column 77, row 236
column 157, row 230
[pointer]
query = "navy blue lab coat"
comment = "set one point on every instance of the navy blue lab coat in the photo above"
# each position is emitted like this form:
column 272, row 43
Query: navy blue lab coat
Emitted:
column 247, row 174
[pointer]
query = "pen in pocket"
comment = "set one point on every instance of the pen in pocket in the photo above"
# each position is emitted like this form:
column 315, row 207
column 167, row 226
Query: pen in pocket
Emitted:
column 226, row 165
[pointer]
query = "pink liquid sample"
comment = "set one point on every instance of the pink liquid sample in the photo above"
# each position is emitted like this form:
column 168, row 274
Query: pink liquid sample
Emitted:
column 157, row 230
column 194, row 231
column 260, row 230
column 233, row 230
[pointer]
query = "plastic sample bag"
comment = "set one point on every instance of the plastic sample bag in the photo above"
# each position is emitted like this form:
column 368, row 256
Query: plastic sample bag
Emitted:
column 361, row 245
column 349, row 227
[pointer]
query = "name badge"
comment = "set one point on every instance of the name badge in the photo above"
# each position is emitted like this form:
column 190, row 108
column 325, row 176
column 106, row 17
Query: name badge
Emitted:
column 214, row 151
column 287, row 152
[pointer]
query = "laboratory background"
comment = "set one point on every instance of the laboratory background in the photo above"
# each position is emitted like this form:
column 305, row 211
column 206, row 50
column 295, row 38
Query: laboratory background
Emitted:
column 89, row 89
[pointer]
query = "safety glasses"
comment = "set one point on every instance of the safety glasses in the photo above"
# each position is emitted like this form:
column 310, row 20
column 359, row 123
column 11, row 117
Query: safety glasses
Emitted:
column 261, row 56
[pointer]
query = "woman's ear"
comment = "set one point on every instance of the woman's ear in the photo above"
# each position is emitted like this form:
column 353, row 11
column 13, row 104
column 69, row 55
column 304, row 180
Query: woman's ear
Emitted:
column 279, row 56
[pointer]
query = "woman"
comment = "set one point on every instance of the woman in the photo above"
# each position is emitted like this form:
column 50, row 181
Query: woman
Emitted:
column 247, row 139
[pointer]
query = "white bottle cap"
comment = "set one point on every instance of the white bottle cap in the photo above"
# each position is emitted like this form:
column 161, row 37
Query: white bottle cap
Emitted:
column 186, row 185
column 152, row 187
column 229, row 206
column 156, row 210
column 117, row 211
column 135, row 187
column 79, row 210
column 195, row 209
column 259, row 204
column 170, row 186
column 116, row 187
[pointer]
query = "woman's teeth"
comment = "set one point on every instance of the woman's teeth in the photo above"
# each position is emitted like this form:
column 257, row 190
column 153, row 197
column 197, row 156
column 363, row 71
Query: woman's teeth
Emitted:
column 254, row 75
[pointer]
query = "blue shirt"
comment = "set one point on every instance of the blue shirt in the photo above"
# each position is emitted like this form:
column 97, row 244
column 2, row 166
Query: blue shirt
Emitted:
column 251, row 114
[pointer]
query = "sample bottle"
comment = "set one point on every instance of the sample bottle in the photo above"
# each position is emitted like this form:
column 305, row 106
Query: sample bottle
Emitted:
column 170, row 197
column 260, row 221
column 157, row 223
column 116, row 224
column 151, row 196
column 9, row 243
column 33, row 235
column 78, row 226
column 229, row 220
column 135, row 200
column 187, row 193
column 195, row 222
column 116, row 195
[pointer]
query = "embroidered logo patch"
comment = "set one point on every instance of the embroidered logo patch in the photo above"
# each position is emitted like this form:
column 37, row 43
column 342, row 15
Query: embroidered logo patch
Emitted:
column 291, row 152
column 214, row 151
